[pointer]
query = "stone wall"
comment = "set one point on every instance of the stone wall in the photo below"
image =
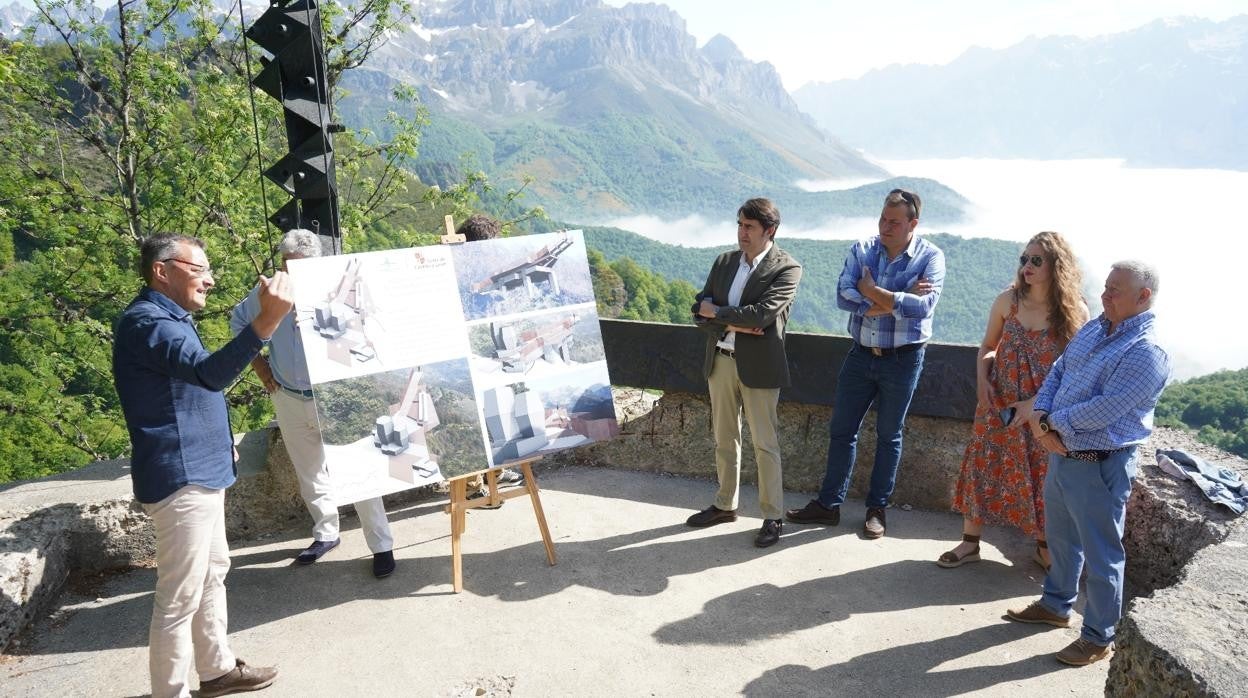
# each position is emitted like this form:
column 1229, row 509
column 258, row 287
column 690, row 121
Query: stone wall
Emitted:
column 671, row 434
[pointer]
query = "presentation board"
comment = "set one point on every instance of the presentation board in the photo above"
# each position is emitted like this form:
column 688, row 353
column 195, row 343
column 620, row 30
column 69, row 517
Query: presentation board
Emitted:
column 429, row 363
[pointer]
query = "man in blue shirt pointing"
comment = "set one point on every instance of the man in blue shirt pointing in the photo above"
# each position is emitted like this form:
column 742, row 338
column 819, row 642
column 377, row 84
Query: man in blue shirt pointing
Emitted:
column 183, row 458
column 1092, row 412
column 890, row 285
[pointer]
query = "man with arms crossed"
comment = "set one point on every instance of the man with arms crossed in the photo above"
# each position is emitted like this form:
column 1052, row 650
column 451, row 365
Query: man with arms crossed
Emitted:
column 183, row 458
column 285, row 375
column 890, row 321
column 744, row 308
column 1093, row 410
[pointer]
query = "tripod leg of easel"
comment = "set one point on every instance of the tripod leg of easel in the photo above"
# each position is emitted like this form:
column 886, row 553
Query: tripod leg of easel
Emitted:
column 459, row 497
column 530, row 484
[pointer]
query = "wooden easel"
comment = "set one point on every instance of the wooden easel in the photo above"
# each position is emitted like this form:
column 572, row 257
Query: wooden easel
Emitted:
column 459, row 506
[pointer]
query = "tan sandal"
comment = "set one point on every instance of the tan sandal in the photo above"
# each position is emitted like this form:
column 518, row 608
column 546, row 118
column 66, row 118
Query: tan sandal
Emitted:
column 1038, row 558
column 950, row 559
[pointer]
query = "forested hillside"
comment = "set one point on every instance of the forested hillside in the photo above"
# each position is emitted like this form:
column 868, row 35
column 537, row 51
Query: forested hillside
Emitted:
column 1215, row 406
column 977, row 270
column 120, row 126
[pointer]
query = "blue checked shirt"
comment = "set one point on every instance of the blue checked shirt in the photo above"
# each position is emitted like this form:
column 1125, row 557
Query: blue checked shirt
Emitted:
column 911, row 319
column 1101, row 391
column 285, row 346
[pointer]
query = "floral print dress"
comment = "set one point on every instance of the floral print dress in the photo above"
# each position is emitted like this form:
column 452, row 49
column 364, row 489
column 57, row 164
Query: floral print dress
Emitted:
column 1002, row 479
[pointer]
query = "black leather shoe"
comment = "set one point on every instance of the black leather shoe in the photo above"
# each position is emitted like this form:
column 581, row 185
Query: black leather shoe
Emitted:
column 711, row 516
column 769, row 533
column 814, row 513
column 383, row 564
column 314, row 552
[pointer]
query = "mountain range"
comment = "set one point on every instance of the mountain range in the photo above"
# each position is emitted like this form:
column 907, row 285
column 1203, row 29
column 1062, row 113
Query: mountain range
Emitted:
column 1172, row 93
column 613, row 111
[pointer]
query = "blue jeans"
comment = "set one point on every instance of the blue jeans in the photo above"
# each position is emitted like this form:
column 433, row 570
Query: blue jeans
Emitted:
column 1085, row 511
column 889, row 381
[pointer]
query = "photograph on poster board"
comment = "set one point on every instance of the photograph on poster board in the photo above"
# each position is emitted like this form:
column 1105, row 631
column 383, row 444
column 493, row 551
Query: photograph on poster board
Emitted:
column 532, row 417
column 371, row 312
column 535, row 346
column 398, row 429
column 522, row 274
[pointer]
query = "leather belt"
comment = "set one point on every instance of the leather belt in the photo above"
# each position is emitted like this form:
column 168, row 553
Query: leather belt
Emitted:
column 1092, row 455
column 305, row 394
column 882, row 351
column 726, row 352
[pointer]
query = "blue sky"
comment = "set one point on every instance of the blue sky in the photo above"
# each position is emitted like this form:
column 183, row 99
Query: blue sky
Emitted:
column 820, row 40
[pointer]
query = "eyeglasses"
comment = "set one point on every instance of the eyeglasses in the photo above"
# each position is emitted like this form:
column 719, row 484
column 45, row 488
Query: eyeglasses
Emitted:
column 908, row 198
column 195, row 269
column 1035, row 259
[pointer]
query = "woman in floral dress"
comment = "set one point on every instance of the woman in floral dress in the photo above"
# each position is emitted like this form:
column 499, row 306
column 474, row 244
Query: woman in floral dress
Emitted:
column 1002, row 479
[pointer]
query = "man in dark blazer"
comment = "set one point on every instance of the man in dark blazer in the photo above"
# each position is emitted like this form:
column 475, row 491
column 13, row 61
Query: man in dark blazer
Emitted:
column 744, row 308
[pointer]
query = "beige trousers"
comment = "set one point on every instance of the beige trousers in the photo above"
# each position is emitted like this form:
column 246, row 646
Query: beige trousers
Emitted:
column 301, row 432
column 188, row 613
column 729, row 400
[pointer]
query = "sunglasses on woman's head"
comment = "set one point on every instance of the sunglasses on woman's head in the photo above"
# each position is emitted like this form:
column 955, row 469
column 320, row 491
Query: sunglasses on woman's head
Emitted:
column 1035, row 259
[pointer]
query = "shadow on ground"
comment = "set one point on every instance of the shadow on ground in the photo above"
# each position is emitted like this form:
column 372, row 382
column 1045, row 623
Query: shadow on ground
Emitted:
column 913, row 669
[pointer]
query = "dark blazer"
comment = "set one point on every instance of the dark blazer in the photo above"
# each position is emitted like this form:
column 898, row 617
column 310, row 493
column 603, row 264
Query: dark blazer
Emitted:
column 765, row 302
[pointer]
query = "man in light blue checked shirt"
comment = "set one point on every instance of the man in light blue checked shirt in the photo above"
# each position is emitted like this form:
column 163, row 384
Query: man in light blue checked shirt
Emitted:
column 285, row 376
column 1094, row 409
column 890, row 286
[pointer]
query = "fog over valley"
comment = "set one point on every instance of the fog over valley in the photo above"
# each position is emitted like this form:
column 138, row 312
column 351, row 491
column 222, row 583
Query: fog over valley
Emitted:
column 1183, row 221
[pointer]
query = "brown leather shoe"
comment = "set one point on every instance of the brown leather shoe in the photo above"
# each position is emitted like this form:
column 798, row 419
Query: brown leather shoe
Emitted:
column 1037, row 613
column 874, row 527
column 711, row 516
column 814, row 513
column 1083, row 652
column 243, row 677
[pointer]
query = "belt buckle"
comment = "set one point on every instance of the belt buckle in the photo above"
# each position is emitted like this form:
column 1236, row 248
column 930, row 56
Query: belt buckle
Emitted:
column 877, row 351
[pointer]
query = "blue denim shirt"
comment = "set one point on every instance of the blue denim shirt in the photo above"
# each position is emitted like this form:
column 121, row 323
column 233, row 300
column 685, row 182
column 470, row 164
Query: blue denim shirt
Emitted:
column 170, row 389
column 285, row 346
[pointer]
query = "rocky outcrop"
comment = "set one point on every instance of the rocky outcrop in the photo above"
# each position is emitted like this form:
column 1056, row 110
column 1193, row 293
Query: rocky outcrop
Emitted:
column 1183, row 633
column 86, row 522
column 50, row 530
column 1188, row 640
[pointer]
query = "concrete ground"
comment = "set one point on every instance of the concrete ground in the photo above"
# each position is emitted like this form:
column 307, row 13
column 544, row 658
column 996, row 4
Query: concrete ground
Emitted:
column 638, row 605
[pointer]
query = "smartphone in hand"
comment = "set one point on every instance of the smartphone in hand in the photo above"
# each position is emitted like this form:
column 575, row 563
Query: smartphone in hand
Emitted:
column 1007, row 415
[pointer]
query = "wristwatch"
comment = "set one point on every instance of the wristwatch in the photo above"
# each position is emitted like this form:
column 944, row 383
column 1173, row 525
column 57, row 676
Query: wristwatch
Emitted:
column 1044, row 424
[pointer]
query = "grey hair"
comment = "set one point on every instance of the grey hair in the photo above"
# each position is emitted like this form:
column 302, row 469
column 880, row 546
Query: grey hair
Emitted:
column 1144, row 274
column 158, row 248
column 300, row 241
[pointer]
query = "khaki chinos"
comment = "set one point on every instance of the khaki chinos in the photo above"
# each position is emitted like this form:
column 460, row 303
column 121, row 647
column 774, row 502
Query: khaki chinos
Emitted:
column 748, row 383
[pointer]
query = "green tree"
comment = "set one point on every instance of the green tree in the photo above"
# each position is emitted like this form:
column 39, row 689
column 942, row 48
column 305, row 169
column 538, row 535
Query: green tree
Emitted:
column 120, row 126
column 1214, row 406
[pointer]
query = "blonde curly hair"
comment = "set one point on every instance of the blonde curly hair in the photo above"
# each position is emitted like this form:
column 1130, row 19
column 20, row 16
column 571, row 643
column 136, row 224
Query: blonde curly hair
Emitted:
column 1065, row 298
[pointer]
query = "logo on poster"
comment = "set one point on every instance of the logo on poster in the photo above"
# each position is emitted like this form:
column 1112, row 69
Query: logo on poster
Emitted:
column 423, row 263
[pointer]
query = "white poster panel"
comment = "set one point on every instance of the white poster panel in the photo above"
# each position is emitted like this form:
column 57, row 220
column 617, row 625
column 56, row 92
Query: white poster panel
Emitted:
column 435, row 362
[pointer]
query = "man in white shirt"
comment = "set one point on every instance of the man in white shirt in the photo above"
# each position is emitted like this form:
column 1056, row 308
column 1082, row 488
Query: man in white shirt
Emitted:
column 744, row 308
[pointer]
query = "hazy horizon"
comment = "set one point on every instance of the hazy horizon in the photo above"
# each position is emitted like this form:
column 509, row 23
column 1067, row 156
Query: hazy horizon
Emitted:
column 819, row 41
column 1168, row 217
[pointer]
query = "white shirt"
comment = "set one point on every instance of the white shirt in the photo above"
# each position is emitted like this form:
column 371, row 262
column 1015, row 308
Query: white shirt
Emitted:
column 744, row 270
